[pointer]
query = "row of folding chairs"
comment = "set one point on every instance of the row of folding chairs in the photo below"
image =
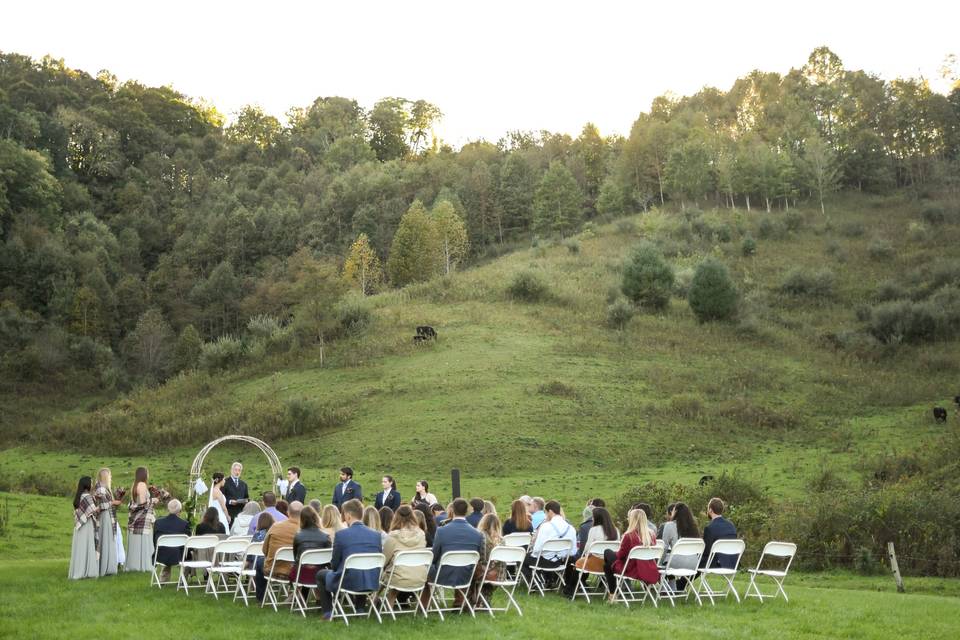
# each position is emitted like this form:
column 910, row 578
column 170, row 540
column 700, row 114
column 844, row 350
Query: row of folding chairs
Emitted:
column 228, row 561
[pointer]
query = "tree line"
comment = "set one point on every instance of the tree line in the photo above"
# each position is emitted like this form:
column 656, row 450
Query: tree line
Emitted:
column 137, row 226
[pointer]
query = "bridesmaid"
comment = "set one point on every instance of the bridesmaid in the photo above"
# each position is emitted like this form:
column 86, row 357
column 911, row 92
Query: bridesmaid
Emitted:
column 140, row 525
column 83, row 554
column 107, row 523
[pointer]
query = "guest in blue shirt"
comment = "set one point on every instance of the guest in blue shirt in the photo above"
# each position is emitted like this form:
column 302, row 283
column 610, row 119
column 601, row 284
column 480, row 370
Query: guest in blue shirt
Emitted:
column 474, row 518
column 537, row 514
column 355, row 538
column 270, row 507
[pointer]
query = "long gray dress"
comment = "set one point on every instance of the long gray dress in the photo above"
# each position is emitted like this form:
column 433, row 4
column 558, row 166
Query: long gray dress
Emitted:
column 108, row 544
column 139, row 538
column 83, row 552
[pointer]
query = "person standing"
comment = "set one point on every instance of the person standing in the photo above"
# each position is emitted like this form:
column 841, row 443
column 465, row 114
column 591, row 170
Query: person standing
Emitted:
column 235, row 491
column 218, row 501
column 140, row 524
column 389, row 497
column 347, row 489
column 422, row 494
column 83, row 553
column 296, row 492
column 106, row 523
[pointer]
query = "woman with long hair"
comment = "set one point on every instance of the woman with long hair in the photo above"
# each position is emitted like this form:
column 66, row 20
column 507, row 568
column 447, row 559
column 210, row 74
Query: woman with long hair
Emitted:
column 490, row 527
column 83, row 551
column 210, row 523
column 331, row 521
column 682, row 524
column 430, row 525
column 386, row 518
column 389, row 497
column 371, row 518
column 422, row 494
column 217, row 500
column 519, row 520
column 140, row 524
column 309, row 537
column 241, row 524
column 106, row 523
column 405, row 535
column 638, row 534
column 603, row 529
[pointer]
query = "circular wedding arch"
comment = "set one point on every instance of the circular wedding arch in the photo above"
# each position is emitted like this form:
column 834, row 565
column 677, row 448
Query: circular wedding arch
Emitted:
column 195, row 469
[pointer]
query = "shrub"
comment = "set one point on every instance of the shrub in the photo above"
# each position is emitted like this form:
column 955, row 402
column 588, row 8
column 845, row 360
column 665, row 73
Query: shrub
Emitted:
column 934, row 215
column 647, row 278
column 572, row 245
column 837, row 251
column 712, row 294
column 222, row 353
column 768, row 228
column 557, row 388
column 748, row 247
column 890, row 290
column 902, row 321
column 880, row 249
column 681, row 281
column 352, row 314
column 793, row 220
column 852, row 229
column 918, row 232
column 262, row 326
column 619, row 313
column 626, row 227
column 528, row 286
column 813, row 284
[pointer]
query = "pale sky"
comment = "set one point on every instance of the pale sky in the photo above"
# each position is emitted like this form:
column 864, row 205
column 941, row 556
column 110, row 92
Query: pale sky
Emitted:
column 490, row 66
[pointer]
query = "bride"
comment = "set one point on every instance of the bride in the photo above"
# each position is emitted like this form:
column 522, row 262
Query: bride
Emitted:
column 218, row 502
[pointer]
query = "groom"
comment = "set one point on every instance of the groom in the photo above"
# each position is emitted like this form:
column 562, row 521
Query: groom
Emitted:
column 235, row 491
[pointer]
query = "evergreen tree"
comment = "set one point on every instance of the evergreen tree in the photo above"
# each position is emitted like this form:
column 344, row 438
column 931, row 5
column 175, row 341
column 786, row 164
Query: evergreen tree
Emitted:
column 712, row 294
column 647, row 278
column 413, row 254
column 187, row 352
column 558, row 202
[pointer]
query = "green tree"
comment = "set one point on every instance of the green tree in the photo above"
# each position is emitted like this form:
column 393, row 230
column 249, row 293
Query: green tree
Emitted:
column 712, row 294
column 362, row 266
column 451, row 235
column 515, row 194
column 187, row 352
column 149, row 349
column 25, row 185
column 647, row 278
column 256, row 127
column 558, row 202
column 87, row 315
column 592, row 150
column 819, row 166
column 413, row 254
column 388, row 122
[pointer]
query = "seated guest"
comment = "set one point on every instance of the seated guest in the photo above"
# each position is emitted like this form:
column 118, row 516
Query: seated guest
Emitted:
column 280, row 535
column 171, row 524
column 316, row 506
column 719, row 529
column 439, row 513
column 422, row 494
column 371, row 518
column 263, row 524
column 489, row 507
column 308, row 537
column 430, row 524
column 613, row 561
column 490, row 527
column 584, row 529
column 331, row 521
column 554, row 527
column 355, row 538
column 283, row 507
column 270, row 507
column 210, row 524
column 389, row 497
column 243, row 520
column 405, row 535
column 474, row 518
column 537, row 515
column 667, row 518
column 519, row 520
column 682, row 525
column 455, row 535
column 648, row 511
column 603, row 529
column 386, row 518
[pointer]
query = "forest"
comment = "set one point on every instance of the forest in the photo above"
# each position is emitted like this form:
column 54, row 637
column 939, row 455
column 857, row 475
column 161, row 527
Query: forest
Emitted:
column 142, row 235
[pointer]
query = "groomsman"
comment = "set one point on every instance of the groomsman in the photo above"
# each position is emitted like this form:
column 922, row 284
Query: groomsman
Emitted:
column 235, row 491
column 346, row 489
column 295, row 489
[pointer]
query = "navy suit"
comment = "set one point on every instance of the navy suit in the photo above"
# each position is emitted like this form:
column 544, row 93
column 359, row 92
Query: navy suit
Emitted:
column 353, row 492
column 356, row 538
column 719, row 529
column 170, row 525
column 296, row 493
column 475, row 518
column 456, row 535
column 393, row 501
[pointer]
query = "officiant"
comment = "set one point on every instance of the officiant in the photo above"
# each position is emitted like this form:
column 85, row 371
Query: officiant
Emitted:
column 235, row 491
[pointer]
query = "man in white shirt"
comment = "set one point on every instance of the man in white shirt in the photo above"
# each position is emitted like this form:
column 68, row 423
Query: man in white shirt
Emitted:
column 554, row 527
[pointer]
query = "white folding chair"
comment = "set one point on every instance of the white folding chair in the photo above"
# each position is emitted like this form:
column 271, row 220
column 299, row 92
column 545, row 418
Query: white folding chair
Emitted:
column 224, row 565
column 357, row 562
column 518, row 539
column 557, row 546
column 170, row 541
column 730, row 548
column 454, row 559
column 781, row 550
column 247, row 576
column 309, row 558
column 687, row 552
column 284, row 554
column 420, row 558
column 595, row 550
column 508, row 556
column 195, row 543
column 239, row 537
column 622, row 591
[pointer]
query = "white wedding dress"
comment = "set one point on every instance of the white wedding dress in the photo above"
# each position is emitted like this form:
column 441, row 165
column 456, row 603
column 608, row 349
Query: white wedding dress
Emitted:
column 220, row 513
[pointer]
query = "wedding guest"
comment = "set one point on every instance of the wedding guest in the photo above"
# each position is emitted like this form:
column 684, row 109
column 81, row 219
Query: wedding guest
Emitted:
column 83, row 552
column 269, row 506
column 667, row 518
column 140, row 524
column 489, row 507
column 554, row 527
column 490, row 527
column 355, row 538
column 430, row 524
column 421, row 520
column 405, row 535
column 106, row 523
column 283, row 507
column 537, row 513
column 719, row 529
column 519, row 520
column 308, row 537
column 171, row 524
column 331, row 521
column 235, row 491
column 347, row 488
column 682, row 525
column 210, row 524
column 241, row 524
column 295, row 489
column 386, row 518
column 648, row 510
column 456, row 535
column 316, row 505
column 474, row 518
column 602, row 529
column 263, row 523
column 371, row 518
column 389, row 497
column 638, row 533
column 422, row 494
column 280, row 535
column 439, row 513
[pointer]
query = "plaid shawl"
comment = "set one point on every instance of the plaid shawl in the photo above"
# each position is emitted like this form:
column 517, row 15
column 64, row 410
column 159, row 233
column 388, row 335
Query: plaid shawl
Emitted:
column 104, row 497
column 87, row 511
column 137, row 523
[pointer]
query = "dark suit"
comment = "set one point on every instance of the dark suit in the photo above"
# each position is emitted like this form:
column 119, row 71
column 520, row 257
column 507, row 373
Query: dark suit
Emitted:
column 475, row 518
column 456, row 535
column 356, row 538
column 296, row 493
column 582, row 534
column 234, row 491
column 393, row 501
column 353, row 492
column 170, row 525
column 719, row 529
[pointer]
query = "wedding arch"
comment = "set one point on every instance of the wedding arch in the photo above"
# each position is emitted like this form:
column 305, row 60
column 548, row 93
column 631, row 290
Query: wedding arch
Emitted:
column 196, row 468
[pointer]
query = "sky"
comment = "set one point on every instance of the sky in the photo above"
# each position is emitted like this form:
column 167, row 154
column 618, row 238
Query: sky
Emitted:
column 491, row 66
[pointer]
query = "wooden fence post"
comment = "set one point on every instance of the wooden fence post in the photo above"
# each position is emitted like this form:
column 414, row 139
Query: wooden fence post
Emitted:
column 892, row 555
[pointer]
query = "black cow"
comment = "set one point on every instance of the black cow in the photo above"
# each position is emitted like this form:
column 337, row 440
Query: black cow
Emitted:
column 419, row 339
column 939, row 414
column 427, row 332
column 705, row 479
